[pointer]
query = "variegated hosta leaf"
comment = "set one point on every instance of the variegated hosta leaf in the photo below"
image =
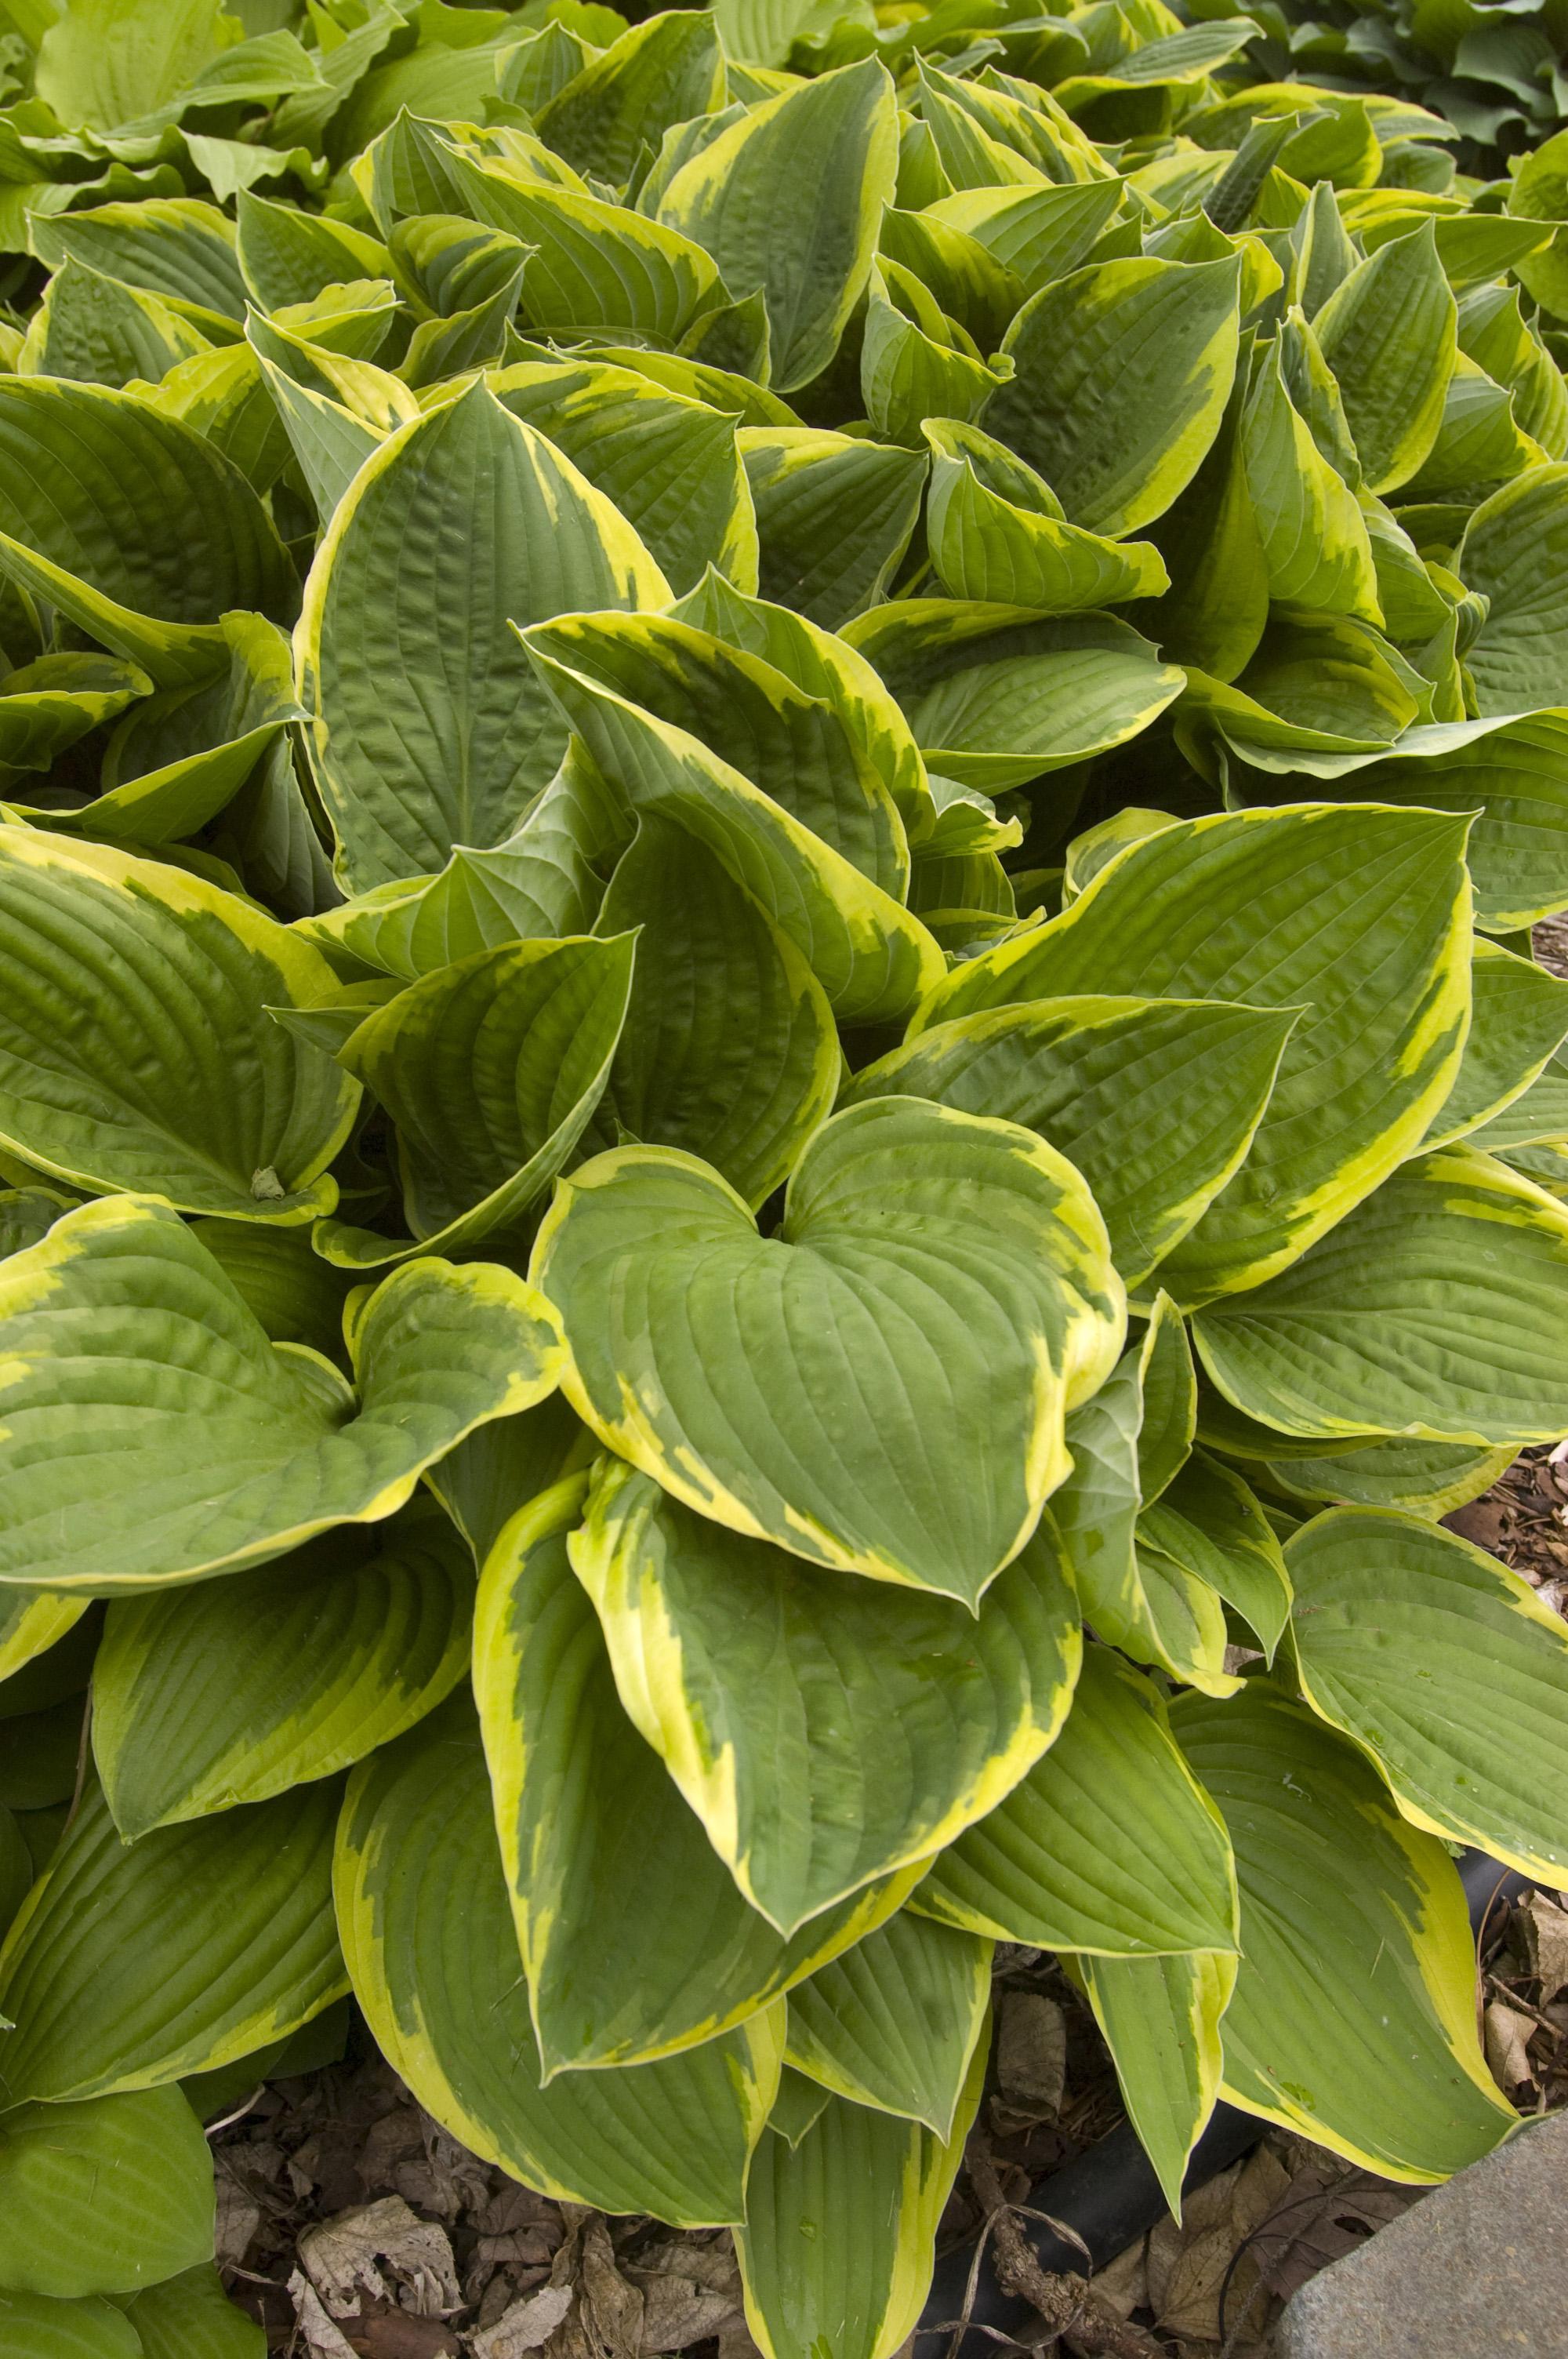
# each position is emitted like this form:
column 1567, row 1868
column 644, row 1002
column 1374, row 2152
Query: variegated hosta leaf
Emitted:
column 1537, row 1119
column 31, row 1623
column 1314, row 537
column 1064, row 1863
column 660, row 73
column 1426, row 1478
column 136, row 1047
column 1353, row 2020
column 799, row 2103
column 176, row 762
column 153, row 1433
column 1154, row 1605
column 794, row 747
column 286, row 257
column 97, row 331
column 1389, row 335
column 729, row 1048
column 1514, row 776
column 128, row 1968
column 1169, row 1400
column 1210, row 1523
column 192, row 2317
column 427, row 1934
column 996, row 695
column 1161, row 2019
column 49, row 705
column 870, row 956
column 174, row 245
column 1360, row 917
column 1122, row 374
column 635, row 1938
column 1447, row 1669
column 835, row 143
column 505, row 1465
column 1514, row 553
column 1038, row 233
column 490, row 1071
column 826, row 666
column 132, row 526
column 426, row 738
column 1155, row 1101
column 894, row 2021
column 1518, row 1020
column 1320, row 693
column 997, row 534
column 879, row 1387
column 1431, row 1310
column 669, row 462
column 835, row 516
column 241, row 1687
column 595, row 268
column 542, row 884
column 835, row 2252
column 104, row 2197
column 833, row 1731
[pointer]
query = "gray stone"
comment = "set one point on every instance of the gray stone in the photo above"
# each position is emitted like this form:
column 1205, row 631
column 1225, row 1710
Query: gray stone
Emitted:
column 1477, row 2270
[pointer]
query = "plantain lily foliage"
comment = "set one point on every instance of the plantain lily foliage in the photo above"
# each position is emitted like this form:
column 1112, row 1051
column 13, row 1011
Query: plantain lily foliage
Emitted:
column 775, row 1115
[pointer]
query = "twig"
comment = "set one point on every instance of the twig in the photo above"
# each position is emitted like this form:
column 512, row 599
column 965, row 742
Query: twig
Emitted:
column 1065, row 2303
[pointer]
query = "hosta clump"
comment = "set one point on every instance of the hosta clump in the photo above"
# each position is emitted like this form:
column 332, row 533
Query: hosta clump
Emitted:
column 775, row 1111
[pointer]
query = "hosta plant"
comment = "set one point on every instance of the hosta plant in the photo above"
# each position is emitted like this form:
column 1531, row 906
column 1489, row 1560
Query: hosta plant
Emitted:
column 775, row 1114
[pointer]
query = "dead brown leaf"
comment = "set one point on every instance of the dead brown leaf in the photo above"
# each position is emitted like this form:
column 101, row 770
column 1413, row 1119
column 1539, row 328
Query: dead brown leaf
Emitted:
column 1507, row 2035
column 1032, row 2055
column 526, row 2326
column 385, row 2252
column 1544, row 1924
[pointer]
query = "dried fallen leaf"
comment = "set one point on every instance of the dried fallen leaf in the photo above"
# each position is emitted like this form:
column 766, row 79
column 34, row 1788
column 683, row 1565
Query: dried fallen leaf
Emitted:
column 1545, row 1927
column 342, row 2257
column 1032, row 2055
column 690, row 2291
column 322, row 2339
column 1189, row 2304
column 1508, row 2045
column 1124, row 2286
column 238, row 2217
column 613, row 2307
column 526, row 2326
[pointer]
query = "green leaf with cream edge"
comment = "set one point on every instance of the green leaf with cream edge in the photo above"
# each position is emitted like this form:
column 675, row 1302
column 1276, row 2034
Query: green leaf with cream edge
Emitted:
column 1424, row 1651
column 636, row 1940
column 881, row 1387
column 789, row 1727
column 1352, row 2019
column 490, row 1071
column 1233, row 906
column 246, row 1448
column 427, row 1934
column 424, row 739
column 136, row 1052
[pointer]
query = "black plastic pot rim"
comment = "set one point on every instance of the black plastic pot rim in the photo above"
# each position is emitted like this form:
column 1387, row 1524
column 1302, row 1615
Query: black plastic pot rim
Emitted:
column 1109, row 2196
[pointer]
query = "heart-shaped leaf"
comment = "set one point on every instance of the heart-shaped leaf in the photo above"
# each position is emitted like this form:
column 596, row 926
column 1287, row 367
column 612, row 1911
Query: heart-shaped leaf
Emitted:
column 757, row 1377
column 245, row 1447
